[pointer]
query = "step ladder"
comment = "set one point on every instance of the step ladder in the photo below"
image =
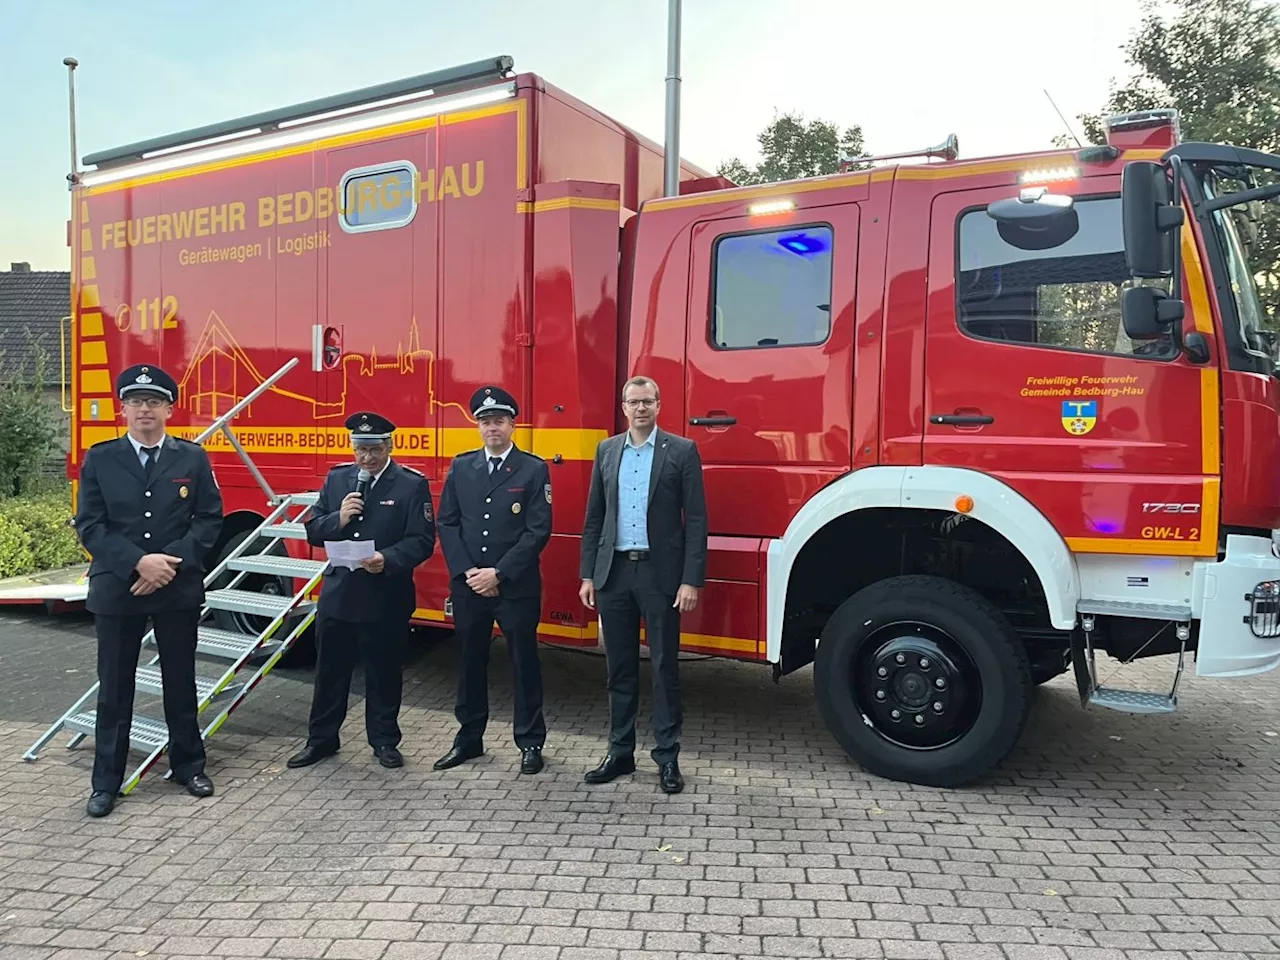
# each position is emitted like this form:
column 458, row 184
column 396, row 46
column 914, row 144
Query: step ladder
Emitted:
column 1092, row 693
column 235, row 662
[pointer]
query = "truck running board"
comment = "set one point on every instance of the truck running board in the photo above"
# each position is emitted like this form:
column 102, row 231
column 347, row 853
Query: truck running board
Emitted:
column 1093, row 694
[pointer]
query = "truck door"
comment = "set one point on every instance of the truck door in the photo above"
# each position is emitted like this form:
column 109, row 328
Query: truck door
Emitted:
column 1029, row 376
column 378, row 333
column 768, row 391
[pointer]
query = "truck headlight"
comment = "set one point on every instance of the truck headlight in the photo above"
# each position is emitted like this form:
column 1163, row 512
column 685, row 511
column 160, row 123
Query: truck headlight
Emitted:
column 1264, row 609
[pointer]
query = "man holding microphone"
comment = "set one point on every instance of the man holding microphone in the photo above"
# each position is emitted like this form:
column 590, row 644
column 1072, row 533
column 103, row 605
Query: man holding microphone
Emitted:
column 365, row 613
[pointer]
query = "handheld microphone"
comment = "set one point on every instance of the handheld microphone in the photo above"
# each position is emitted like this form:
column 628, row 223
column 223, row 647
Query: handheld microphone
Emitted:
column 362, row 483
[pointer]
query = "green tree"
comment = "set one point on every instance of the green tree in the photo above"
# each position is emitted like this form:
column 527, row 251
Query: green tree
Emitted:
column 28, row 423
column 1218, row 63
column 791, row 149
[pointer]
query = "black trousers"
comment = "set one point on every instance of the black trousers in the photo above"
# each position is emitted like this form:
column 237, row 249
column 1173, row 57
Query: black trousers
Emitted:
column 339, row 645
column 119, row 642
column 474, row 616
column 632, row 593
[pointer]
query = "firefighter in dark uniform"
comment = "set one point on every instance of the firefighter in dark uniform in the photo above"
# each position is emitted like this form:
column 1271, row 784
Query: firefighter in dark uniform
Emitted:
column 495, row 520
column 365, row 613
column 149, row 512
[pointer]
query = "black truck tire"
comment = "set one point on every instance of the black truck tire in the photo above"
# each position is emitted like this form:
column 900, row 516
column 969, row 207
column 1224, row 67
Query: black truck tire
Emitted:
column 922, row 680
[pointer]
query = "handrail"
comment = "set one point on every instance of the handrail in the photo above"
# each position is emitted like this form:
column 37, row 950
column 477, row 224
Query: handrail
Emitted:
column 62, row 356
column 251, row 396
column 223, row 423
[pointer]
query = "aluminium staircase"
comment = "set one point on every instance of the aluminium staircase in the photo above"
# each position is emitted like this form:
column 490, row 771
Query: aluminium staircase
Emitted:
column 234, row 662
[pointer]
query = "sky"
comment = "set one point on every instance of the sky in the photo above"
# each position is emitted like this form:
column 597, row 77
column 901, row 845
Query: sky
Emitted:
column 909, row 74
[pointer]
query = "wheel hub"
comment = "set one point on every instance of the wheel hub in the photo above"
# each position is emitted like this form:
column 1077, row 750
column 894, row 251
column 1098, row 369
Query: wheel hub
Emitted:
column 916, row 686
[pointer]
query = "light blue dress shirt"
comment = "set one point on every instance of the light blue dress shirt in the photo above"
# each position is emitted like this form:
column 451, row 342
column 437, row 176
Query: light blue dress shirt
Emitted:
column 633, row 493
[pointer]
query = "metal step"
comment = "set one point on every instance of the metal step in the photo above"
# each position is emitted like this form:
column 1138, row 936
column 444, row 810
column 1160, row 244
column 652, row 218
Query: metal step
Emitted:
column 1143, row 611
column 285, row 531
column 146, row 734
column 308, row 499
column 225, row 644
column 1133, row 701
column 149, row 679
column 278, row 566
column 246, row 601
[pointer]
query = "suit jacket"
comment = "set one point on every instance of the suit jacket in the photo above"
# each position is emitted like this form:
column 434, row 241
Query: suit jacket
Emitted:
column 677, row 513
column 122, row 514
column 501, row 521
column 398, row 518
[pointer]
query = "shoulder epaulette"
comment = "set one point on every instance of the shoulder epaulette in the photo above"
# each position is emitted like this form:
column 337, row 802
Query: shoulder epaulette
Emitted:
column 415, row 470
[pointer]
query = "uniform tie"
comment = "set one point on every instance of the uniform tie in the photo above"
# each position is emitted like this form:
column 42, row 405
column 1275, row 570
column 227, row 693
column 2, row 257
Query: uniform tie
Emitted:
column 493, row 464
column 151, row 459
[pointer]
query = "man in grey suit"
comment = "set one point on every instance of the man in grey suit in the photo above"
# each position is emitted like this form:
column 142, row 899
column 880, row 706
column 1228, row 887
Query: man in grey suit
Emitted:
column 644, row 554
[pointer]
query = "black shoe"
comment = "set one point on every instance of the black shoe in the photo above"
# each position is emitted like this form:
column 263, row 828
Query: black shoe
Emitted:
column 531, row 760
column 198, row 786
column 669, row 777
column 459, row 754
column 388, row 756
column 100, row 803
column 610, row 768
column 310, row 754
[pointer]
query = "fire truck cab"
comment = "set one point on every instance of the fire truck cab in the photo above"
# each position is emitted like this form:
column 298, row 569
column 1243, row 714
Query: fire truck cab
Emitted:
column 977, row 421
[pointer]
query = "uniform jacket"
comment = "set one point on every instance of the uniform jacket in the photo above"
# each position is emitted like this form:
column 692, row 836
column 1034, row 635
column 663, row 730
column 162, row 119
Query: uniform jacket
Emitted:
column 122, row 515
column 501, row 521
column 398, row 518
column 677, row 517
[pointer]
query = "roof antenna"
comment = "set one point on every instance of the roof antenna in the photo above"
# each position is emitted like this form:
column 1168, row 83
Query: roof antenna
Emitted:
column 1070, row 132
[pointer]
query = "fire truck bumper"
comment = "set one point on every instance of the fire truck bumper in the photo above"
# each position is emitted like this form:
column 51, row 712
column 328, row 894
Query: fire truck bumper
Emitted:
column 1237, row 600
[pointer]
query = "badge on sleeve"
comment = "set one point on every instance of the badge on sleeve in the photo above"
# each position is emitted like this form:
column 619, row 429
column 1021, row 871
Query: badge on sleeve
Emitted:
column 546, row 490
column 426, row 510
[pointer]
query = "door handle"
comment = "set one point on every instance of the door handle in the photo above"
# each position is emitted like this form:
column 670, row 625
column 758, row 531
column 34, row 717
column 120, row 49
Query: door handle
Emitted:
column 712, row 421
column 962, row 419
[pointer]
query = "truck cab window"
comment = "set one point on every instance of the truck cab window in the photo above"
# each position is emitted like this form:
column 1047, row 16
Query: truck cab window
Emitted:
column 772, row 289
column 1067, row 296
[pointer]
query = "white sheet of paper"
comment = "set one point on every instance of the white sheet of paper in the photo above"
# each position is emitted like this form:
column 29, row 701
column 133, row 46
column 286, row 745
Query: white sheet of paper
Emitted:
column 348, row 553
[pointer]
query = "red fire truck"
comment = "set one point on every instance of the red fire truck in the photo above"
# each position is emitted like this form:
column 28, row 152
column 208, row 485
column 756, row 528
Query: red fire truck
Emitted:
column 964, row 424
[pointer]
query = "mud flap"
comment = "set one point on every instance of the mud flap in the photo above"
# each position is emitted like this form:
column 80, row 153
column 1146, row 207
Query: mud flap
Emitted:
column 1080, row 664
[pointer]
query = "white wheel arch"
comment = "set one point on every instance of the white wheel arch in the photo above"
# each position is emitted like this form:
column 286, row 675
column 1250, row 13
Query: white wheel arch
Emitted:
column 928, row 488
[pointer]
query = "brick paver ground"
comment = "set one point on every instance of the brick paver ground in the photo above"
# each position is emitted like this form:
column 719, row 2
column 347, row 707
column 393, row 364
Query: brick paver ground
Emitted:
column 1105, row 837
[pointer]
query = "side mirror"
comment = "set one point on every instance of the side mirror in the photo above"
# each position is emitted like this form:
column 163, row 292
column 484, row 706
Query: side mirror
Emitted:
column 1152, row 218
column 1149, row 312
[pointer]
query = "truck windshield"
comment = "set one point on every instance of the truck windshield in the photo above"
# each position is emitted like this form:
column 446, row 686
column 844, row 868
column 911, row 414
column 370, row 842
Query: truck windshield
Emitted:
column 1236, row 228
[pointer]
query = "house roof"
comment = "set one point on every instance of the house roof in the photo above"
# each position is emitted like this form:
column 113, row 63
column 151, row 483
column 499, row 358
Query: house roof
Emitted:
column 32, row 305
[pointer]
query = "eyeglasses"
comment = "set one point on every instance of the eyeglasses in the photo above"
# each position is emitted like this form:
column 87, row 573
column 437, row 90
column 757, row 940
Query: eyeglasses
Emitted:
column 646, row 403
column 151, row 403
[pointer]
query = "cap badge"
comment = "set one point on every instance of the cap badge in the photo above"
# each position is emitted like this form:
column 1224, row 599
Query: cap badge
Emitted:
column 142, row 378
column 365, row 428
